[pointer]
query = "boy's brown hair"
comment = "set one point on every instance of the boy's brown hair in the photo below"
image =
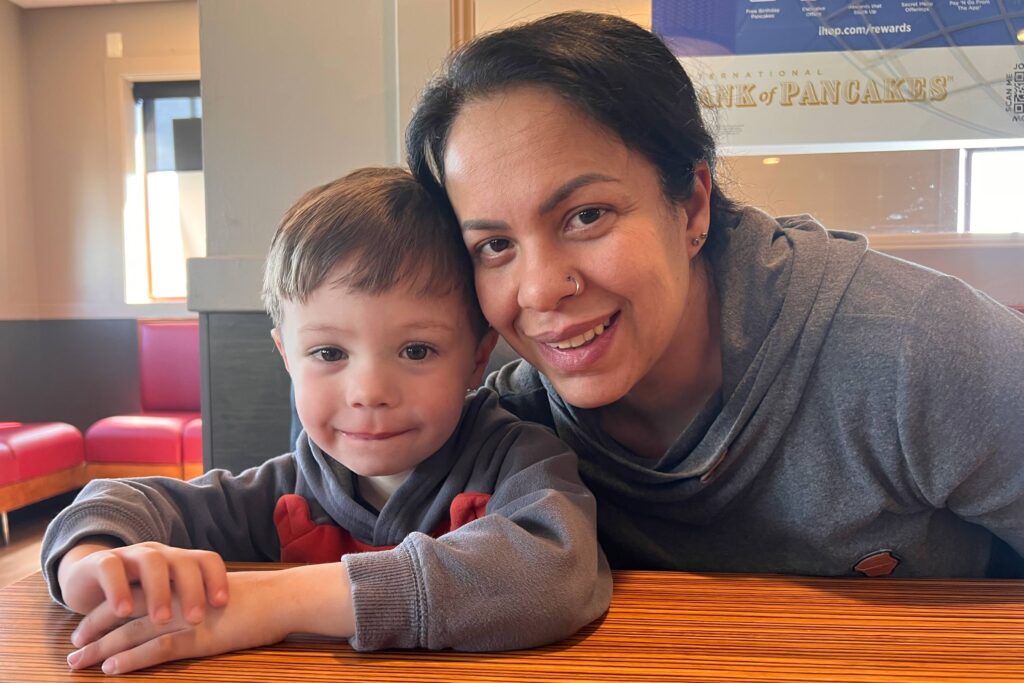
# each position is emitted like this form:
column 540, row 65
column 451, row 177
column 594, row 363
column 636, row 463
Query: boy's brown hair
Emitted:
column 383, row 225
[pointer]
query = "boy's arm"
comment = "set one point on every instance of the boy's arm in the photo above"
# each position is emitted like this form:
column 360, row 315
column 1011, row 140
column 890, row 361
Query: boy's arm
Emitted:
column 218, row 512
column 264, row 608
column 529, row 572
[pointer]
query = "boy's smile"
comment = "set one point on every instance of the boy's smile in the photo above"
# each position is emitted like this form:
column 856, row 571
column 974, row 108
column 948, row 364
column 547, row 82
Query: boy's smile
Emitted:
column 380, row 379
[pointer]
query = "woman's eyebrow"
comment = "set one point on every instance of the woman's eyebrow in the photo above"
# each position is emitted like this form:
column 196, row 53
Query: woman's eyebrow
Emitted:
column 560, row 195
column 556, row 198
column 483, row 224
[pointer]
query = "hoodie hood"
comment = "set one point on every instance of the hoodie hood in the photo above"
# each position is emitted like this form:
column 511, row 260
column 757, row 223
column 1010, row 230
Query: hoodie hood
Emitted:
column 779, row 282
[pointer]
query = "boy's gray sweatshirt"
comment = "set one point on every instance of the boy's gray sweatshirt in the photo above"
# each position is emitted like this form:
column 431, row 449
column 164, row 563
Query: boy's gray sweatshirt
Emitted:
column 870, row 421
column 528, row 572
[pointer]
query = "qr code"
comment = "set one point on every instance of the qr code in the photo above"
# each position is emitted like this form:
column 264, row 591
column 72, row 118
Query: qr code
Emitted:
column 1017, row 101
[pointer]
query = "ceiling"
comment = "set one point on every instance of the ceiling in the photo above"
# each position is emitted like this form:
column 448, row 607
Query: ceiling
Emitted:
column 35, row 4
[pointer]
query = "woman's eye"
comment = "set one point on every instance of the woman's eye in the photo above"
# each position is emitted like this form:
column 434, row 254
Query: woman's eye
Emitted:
column 495, row 246
column 330, row 354
column 416, row 352
column 587, row 216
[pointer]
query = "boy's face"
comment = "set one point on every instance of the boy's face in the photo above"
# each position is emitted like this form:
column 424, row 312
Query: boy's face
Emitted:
column 380, row 380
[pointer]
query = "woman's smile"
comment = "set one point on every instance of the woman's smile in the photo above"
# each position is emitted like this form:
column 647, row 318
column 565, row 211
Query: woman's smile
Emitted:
column 583, row 351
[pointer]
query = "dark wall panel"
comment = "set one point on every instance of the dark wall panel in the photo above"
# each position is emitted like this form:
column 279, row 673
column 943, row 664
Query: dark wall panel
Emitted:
column 74, row 371
column 245, row 391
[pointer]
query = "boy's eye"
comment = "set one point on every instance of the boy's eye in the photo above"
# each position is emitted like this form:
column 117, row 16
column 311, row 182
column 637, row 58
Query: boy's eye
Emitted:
column 416, row 352
column 330, row 354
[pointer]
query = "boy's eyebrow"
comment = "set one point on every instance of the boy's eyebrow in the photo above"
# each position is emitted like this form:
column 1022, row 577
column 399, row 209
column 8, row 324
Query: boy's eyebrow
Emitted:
column 319, row 327
column 556, row 198
column 428, row 325
column 413, row 325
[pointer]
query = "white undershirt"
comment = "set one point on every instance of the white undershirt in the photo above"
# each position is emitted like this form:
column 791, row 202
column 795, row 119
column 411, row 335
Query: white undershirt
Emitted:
column 377, row 490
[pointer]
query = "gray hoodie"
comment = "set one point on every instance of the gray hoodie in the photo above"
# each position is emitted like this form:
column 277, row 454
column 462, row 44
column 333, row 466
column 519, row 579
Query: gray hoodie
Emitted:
column 869, row 421
column 527, row 573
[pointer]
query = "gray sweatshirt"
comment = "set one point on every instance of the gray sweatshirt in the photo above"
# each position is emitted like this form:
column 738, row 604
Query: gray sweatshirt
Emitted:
column 528, row 572
column 869, row 422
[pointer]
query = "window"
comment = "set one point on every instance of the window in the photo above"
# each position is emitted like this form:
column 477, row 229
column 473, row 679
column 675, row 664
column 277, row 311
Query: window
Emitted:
column 992, row 189
column 169, row 161
column 909, row 192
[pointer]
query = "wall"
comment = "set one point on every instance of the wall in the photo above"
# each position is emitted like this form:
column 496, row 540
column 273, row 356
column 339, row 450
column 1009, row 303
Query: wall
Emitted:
column 294, row 94
column 77, row 214
column 74, row 371
column 18, row 291
column 67, row 339
column 495, row 14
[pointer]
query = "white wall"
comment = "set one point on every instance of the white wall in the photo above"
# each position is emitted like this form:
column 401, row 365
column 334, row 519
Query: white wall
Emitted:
column 296, row 94
column 18, row 291
column 495, row 14
column 76, row 213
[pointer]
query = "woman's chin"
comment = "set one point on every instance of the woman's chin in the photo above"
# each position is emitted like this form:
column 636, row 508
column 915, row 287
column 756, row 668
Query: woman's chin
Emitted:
column 590, row 391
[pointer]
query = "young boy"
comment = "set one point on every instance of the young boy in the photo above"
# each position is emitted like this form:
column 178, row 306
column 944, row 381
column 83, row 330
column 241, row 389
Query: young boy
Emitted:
column 484, row 537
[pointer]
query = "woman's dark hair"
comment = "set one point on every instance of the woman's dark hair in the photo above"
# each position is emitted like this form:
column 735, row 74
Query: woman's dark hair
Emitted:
column 613, row 70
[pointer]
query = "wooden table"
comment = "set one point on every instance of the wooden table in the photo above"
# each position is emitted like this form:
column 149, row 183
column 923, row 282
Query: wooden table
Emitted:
column 661, row 627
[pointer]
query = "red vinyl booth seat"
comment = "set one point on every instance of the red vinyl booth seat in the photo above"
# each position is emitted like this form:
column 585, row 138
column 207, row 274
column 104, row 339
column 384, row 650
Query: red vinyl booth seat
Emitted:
column 193, row 445
column 37, row 461
column 156, row 438
column 153, row 442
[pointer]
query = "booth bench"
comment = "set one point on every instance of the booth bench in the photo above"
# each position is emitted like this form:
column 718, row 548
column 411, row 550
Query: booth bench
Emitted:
column 41, row 460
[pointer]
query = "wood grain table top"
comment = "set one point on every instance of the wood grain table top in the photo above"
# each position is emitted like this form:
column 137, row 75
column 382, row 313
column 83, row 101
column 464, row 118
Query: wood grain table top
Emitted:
column 661, row 627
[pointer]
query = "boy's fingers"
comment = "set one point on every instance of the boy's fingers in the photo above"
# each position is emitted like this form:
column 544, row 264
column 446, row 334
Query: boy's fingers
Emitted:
column 102, row 620
column 188, row 587
column 129, row 635
column 215, row 577
column 155, row 578
column 155, row 650
column 114, row 583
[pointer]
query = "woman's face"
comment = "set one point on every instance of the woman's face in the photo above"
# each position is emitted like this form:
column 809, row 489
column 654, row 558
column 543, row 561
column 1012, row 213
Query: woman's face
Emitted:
column 544, row 194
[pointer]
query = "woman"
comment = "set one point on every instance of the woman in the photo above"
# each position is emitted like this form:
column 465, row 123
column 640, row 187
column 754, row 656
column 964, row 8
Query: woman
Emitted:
column 745, row 393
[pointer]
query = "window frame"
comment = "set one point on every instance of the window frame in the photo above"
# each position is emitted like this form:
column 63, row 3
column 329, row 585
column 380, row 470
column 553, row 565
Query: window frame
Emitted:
column 120, row 77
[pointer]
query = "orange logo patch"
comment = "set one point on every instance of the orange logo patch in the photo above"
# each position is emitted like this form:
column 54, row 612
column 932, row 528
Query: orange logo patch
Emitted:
column 880, row 563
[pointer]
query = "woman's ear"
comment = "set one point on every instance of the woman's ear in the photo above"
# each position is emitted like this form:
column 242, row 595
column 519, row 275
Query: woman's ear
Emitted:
column 481, row 356
column 698, row 209
column 275, row 333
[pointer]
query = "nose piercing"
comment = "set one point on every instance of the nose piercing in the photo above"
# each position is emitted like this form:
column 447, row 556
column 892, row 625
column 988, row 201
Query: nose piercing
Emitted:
column 696, row 240
column 570, row 278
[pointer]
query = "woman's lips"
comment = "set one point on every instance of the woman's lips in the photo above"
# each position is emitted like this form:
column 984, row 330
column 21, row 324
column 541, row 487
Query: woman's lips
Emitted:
column 581, row 351
column 582, row 338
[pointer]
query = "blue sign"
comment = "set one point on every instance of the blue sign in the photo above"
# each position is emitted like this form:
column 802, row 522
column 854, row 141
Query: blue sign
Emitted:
column 748, row 27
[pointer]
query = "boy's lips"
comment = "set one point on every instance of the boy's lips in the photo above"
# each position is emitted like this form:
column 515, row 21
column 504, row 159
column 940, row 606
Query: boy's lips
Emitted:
column 373, row 436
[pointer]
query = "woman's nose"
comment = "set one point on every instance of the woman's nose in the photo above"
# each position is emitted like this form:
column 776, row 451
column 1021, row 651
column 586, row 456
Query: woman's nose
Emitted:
column 544, row 280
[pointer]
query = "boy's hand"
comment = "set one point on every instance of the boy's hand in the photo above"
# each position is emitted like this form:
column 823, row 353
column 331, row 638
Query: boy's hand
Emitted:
column 93, row 574
column 265, row 607
column 248, row 620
